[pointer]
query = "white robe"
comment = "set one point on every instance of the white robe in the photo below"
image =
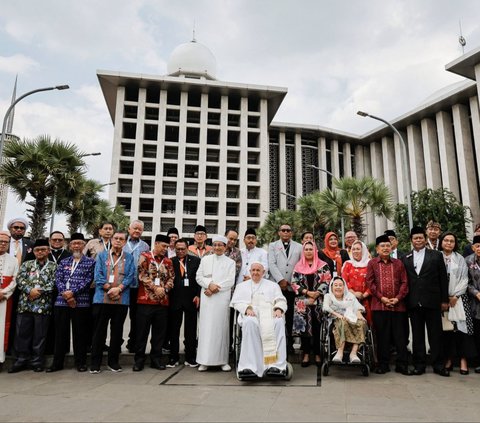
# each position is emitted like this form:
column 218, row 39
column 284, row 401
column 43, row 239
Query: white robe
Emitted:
column 251, row 354
column 248, row 257
column 8, row 267
column 213, row 327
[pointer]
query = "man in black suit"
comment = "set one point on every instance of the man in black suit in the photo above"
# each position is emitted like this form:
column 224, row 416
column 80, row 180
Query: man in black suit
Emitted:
column 392, row 236
column 184, row 298
column 427, row 297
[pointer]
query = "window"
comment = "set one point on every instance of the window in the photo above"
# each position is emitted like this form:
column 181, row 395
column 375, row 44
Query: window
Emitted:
column 211, row 190
column 213, row 136
column 234, row 102
column 127, row 150
column 214, row 100
column 171, row 152
column 168, row 206
column 232, row 191
column 253, row 139
column 129, row 130
column 150, row 151
column 253, row 175
column 189, row 207
column 232, row 209
column 131, row 93
column 192, row 153
column 147, row 187
column 169, row 188
column 233, row 174
column 253, row 121
column 253, row 193
column 126, row 167
column 125, row 185
column 233, row 120
column 252, row 210
column 214, row 118
column 146, row 205
column 173, row 97
column 173, row 115
column 148, row 169
column 193, row 135
column 130, row 112
column 194, row 98
column 151, row 132
column 147, row 223
column 151, row 113
column 211, row 208
column 253, row 157
column 212, row 172
column 211, row 226
column 171, row 133
column 170, row 169
column 191, row 171
column 233, row 156
column 233, row 138
column 190, row 189
column 213, row 155
column 166, row 224
column 126, row 203
column 188, row 226
column 193, row 117
column 253, row 104
column 153, row 95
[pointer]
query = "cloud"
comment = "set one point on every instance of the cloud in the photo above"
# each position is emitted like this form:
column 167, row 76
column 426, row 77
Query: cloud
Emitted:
column 17, row 64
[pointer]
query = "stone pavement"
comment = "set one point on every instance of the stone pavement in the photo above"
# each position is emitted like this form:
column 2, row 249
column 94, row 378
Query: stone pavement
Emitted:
column 184, row 394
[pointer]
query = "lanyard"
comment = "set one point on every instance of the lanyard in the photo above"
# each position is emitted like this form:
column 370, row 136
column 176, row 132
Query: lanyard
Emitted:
column 106, row 246
column 72, row 271
column 38, row 270
column 130, row 246
column 157, row 265
column 114, row 263
column 55, row 259
column 183, row 265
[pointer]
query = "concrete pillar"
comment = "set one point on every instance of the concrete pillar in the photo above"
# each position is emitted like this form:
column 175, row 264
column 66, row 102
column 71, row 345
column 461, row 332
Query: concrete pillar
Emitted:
column 359, row 161
column 370, row 218
column 264, row 170
column 389, row 171
column 466, row 159
column 282, row 180
column 334, row 152
column 400, row 168
column 347, row 160
column 430, row 153
column 322, row 162
column 415, row 158
column 475, row 113
column 446, row 149
column 376, row 156
column 298, row 166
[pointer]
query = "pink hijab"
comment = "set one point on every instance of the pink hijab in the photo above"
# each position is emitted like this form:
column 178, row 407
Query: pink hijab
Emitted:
column 304, row 267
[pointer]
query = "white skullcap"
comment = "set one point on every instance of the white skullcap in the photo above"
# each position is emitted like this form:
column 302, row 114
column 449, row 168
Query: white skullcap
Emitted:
column 17, row 219
column 219, row 238
column 257, row 262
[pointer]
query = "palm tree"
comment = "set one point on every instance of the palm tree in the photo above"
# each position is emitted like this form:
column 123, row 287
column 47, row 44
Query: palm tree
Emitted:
column 268, row 232
column 353, row 198
column 36, row 170
column 104, row 212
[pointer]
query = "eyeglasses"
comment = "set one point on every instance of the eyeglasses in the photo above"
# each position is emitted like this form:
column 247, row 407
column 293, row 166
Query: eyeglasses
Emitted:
column 19, row 228
column 285, row 230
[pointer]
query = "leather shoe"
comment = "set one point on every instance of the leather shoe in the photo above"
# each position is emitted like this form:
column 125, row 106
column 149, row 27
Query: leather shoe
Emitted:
column 305, row 363
column 442, row 372
column 53, row 368
column 477, row 369
column 418, row 372
column 18, row 368
column 156, row 364
column 404, row 371
column 137, row 367
column 464, row 372
column 246, row 373
column 38, row 369
column 82, row 368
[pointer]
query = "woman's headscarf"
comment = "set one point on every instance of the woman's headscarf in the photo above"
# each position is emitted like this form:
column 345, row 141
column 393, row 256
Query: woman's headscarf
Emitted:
column 333, row 253
column 304, row 267
column 363, row 262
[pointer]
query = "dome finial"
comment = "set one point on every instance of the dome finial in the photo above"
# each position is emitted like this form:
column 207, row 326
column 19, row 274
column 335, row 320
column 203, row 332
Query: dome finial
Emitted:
column 193, row 38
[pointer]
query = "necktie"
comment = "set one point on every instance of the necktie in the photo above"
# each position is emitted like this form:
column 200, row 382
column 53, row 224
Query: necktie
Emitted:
column 18, row 251
column 182, row 268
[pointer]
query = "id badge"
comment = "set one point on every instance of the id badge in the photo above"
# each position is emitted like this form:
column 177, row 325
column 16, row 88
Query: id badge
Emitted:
column 157, row 281
column 186, row 282
column 111, row 279
column 67, row 286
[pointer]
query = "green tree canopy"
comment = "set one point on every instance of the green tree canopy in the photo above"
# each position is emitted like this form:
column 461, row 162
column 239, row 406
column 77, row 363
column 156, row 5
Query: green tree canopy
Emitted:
column 36, row 170
column 269, row 230
column 440, row 205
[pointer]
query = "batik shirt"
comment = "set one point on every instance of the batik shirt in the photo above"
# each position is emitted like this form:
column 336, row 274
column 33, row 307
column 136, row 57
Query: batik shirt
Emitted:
column 32, row 275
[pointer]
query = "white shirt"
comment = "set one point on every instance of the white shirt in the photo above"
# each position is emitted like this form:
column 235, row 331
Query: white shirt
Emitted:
column 418, row 257
column 248, row 257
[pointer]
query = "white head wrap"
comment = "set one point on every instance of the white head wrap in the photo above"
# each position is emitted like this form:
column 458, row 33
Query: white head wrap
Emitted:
column 219, row 238
column 18, row 219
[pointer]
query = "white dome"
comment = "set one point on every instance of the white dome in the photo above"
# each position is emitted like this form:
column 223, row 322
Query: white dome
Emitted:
column 192, row 59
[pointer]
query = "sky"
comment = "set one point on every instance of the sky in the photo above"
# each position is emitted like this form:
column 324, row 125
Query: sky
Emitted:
column 334, row 56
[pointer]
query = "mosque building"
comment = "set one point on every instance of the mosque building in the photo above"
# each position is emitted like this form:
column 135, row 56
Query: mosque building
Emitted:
column 189, row 148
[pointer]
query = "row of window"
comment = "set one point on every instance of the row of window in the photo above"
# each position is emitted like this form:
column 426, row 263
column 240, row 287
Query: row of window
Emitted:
column 190, row 189
column 172, row 134
column 170, row 152
column 146, row 205
column 194, row 98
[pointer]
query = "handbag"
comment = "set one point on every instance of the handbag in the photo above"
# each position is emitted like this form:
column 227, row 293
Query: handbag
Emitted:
column 447, row 325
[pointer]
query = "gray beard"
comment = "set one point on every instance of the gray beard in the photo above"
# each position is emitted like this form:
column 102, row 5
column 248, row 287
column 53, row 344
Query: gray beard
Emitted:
column 77, row 254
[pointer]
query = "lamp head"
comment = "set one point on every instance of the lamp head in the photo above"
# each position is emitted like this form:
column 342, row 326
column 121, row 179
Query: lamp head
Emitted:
column 62, row 87
column 363, row 114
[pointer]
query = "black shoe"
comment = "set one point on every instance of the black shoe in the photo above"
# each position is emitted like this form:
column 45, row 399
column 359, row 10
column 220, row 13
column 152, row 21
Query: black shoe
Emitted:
column 404, row 371
column 106, row 347
column 477, row 369
column 449, row 368
column 157, row 364
column 54, row 368
column 305, row 363
column 464, row 372
column 246, row 373
column 115, row 367
column 137, row 367
column 82, row 368
column 442, row 372
column 38, row 369
column 191, row 363
column 418, row 372
column 275, row 372
column 172, row 363
column 18, row 368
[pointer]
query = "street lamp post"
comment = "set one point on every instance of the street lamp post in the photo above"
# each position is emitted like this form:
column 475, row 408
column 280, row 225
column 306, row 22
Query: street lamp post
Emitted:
column 342, row 219
column 7, row 114
column 54, row 199
column 405, row 160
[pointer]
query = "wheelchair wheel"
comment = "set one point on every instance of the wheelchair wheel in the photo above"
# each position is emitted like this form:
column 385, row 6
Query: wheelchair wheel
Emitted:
column 366, row 370
column 325, row 369
column 289, row 374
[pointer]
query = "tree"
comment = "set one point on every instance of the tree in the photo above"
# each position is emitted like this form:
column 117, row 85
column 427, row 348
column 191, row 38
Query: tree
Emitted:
column 106, row 213
column 440, row 205
column 353, row 198
column 269, row 230
column 41, row 168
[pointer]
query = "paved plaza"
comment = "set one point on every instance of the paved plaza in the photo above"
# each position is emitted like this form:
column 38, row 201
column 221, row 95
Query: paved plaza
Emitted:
column 184, row 394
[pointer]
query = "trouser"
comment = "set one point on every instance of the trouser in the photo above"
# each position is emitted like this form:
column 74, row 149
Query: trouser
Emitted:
column 308, row 341
column 476, row 337
column 13, row 322
column 78, row 316
column 431, row 318
column 155, row 317
column 103, row 314
column 290, row 297
column 133, row 318
column 190, row 332
column 390, row 327
column 30, row 336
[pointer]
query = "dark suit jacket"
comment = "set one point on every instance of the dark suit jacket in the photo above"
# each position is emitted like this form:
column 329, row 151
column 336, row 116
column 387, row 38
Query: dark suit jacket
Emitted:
column 27, row 250
column 429, row 288
column 343, row 254
column 181, row 295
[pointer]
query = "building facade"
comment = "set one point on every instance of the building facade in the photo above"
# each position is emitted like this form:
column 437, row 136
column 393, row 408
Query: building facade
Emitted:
column 190, row 149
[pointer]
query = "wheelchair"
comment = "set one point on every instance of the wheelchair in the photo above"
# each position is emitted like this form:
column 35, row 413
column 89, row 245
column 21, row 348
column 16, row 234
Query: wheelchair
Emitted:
column 271, row 373
column 365, row 351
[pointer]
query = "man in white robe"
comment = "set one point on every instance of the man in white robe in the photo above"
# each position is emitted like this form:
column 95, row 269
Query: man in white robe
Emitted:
column 216, row 276
column 8, row 272
column 250, row 254
column 261, row 306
